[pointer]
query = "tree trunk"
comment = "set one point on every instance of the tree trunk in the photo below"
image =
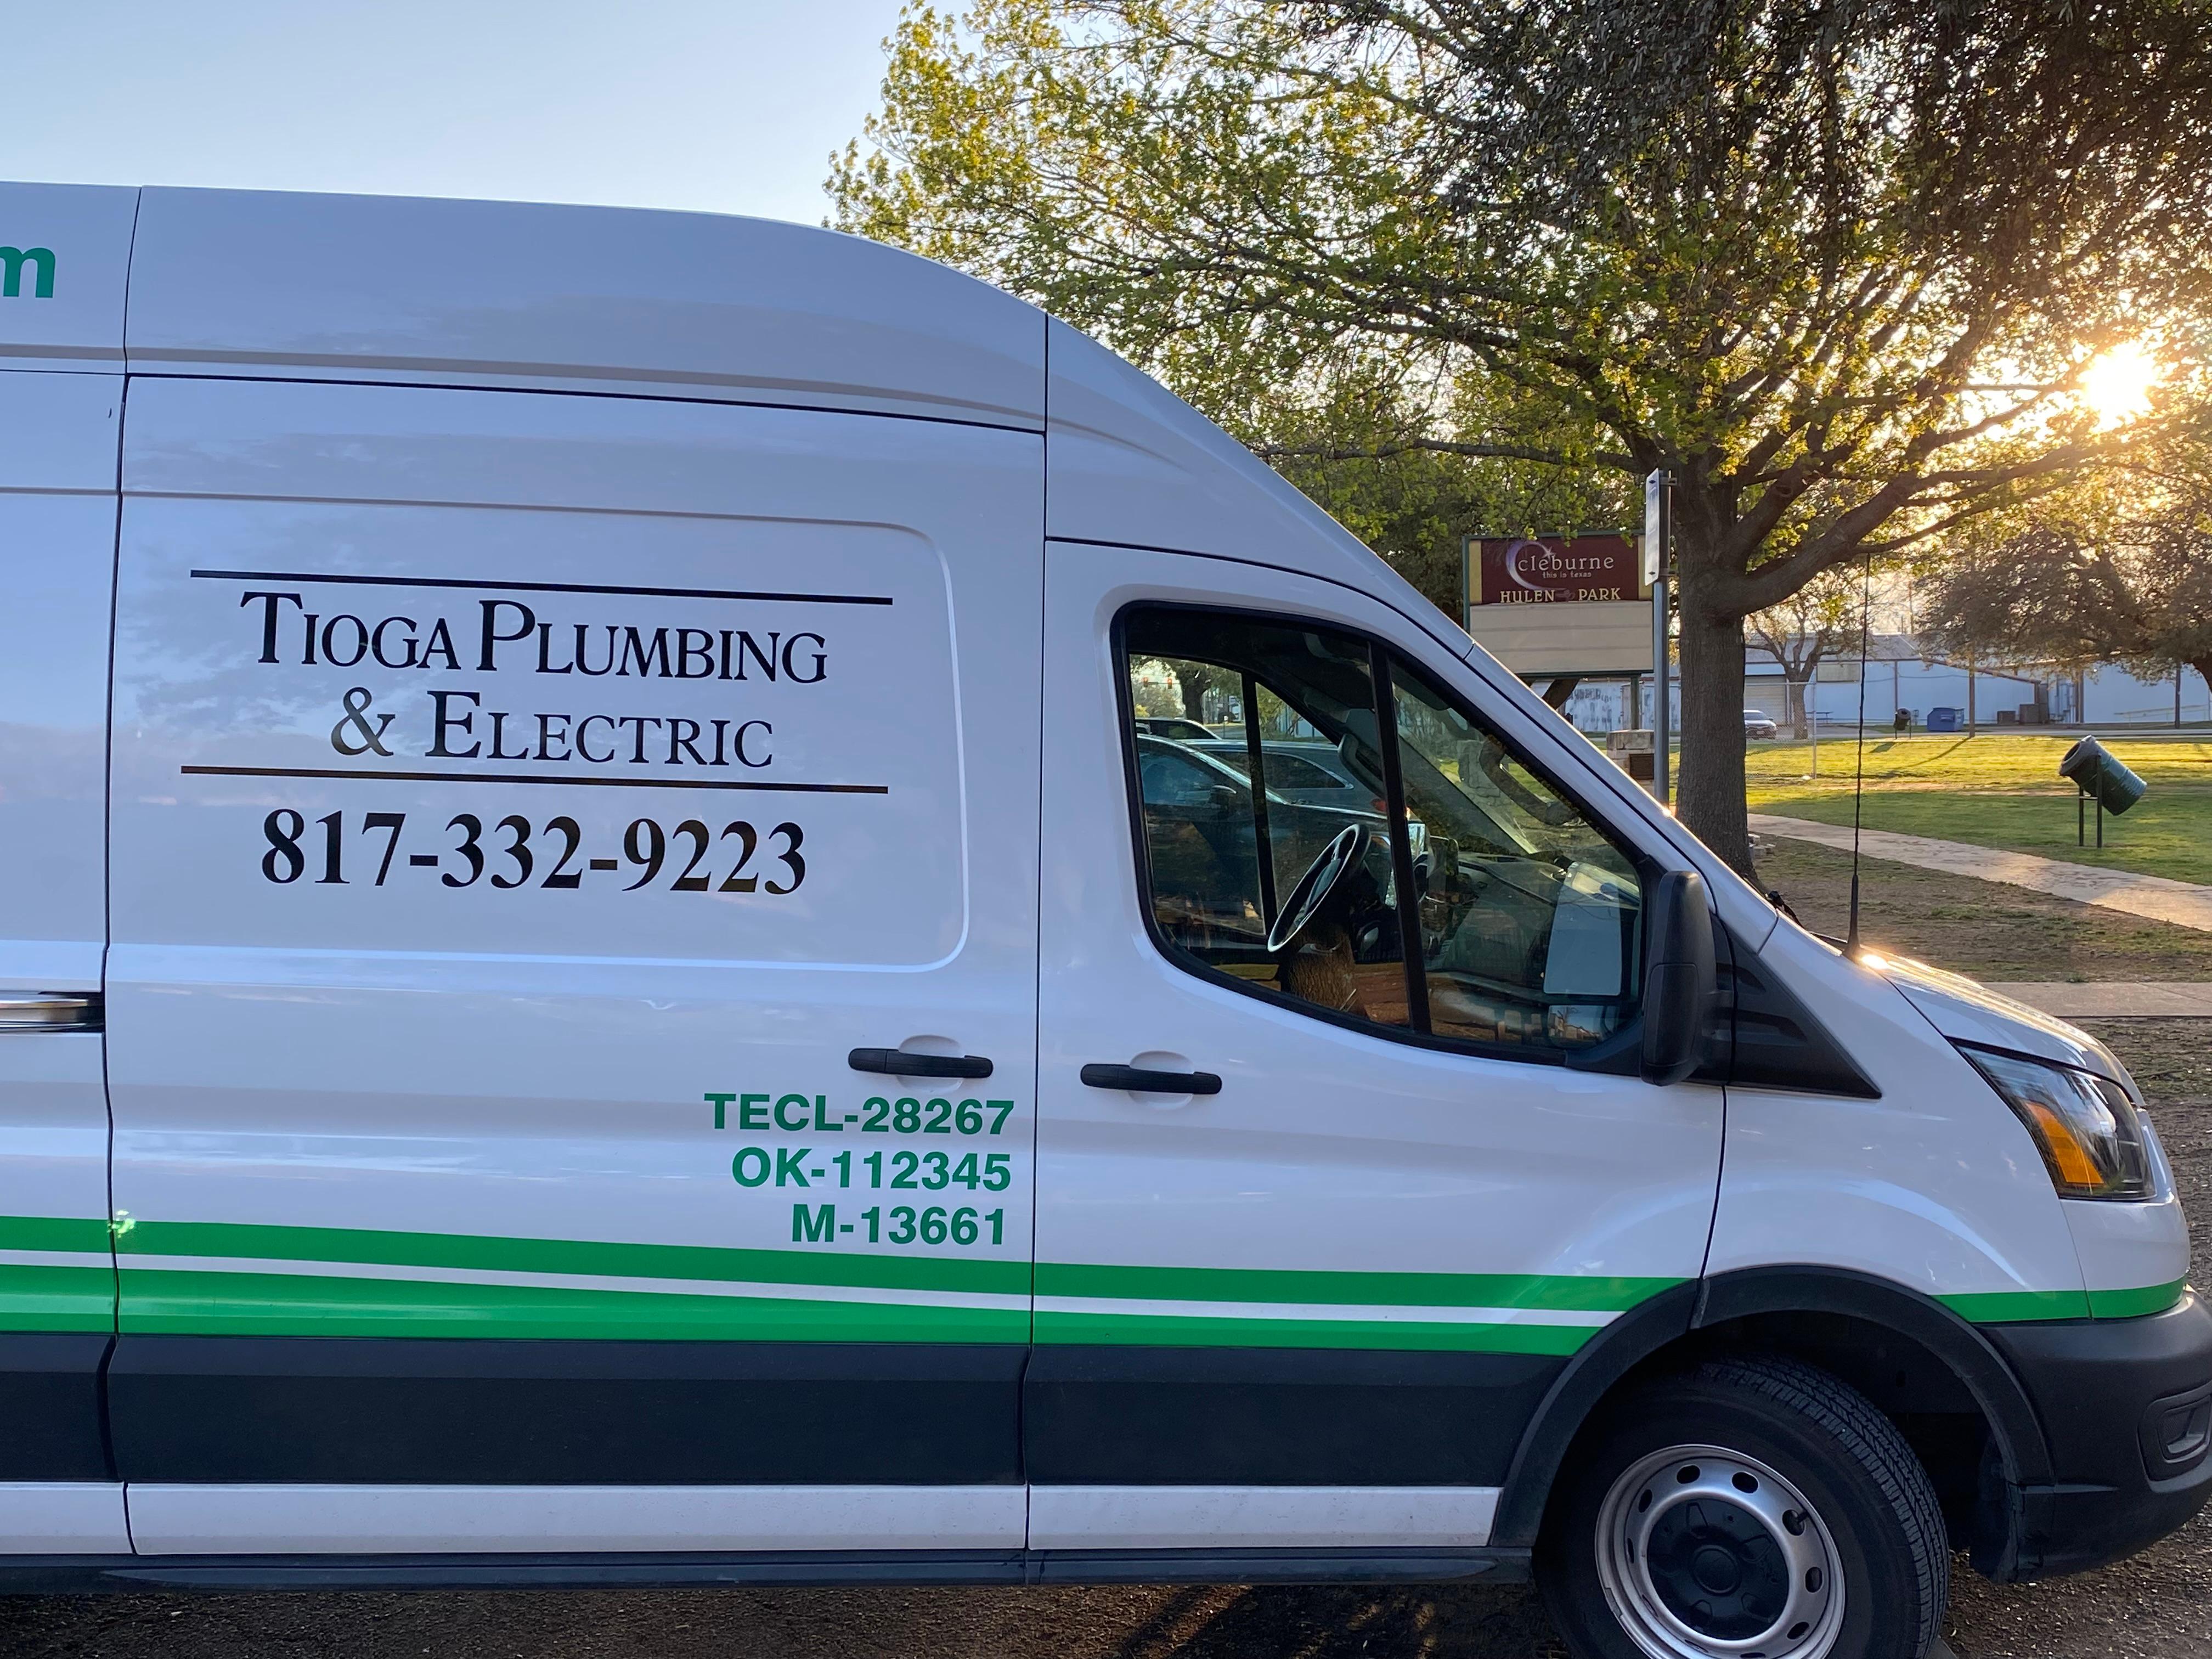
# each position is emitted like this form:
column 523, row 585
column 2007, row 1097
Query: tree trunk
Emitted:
column 1709, row 792
column 2201, row 665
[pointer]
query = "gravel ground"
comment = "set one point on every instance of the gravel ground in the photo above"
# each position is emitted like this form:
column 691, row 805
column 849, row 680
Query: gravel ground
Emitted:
column 2158, row 1606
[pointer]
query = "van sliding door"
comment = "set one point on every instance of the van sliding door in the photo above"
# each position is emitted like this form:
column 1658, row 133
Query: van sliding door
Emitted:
column 572, row 998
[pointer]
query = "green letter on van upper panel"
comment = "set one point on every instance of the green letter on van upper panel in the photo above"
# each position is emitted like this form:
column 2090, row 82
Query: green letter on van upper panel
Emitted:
column 12, row 261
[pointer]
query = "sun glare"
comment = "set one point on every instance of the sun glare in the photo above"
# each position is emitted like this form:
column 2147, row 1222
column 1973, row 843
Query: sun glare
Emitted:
column 2118, row 384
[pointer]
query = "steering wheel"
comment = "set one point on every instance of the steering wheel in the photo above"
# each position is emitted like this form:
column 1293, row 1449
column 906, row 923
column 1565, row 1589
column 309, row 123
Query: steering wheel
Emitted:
column 1322, row 878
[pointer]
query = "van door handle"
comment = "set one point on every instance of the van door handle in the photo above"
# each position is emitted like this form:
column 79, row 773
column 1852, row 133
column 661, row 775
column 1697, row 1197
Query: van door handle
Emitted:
column 51, row 1010
column 896, row 1062
column 1142, row 1080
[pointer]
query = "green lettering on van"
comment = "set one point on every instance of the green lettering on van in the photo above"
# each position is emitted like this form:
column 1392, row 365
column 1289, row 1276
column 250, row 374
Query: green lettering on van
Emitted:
column 12, row 261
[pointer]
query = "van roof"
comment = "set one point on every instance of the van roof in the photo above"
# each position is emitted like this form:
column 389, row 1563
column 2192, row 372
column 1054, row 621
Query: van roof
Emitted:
column 263, row 284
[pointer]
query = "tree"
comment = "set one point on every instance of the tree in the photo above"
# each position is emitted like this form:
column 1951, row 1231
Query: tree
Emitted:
column 2127, row 582
column 1822, row 619
column 1841, row 269
column 1415, row 505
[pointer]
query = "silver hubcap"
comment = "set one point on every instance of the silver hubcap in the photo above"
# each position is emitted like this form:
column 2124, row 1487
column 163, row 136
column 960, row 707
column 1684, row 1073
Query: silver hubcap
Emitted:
column 1706, row 1553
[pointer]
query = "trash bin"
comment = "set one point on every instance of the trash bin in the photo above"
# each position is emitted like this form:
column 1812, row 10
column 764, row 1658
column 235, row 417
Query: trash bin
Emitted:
column 2091, row 767
column 1946, row 719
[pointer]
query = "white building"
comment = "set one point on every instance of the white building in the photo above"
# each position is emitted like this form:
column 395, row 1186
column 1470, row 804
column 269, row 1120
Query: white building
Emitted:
column 1898, row 676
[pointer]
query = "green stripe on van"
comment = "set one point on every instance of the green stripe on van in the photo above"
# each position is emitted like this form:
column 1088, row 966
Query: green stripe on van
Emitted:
column 2134, row 1305
column 38, row 1297
column 489, row 1253
column 1558, row 1292
column 195, row 1296
column 74, row 1233
column 2041, row 1307
column 191, row 1302
column 2018, row 1307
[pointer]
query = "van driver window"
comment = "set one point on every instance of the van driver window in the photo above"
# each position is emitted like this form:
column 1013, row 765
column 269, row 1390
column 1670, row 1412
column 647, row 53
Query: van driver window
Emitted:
column 1273, row 855
column 1257, row 872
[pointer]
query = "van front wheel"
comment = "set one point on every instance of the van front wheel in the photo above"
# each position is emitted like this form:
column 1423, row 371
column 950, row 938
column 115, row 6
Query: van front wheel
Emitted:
column 1753, row 1506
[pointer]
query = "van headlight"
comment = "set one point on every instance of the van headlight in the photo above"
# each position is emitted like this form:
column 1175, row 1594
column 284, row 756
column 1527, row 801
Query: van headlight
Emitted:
column 2095, row 1141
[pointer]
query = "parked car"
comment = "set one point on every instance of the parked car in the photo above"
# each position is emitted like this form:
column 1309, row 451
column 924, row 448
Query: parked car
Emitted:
column 1757, row 723
column 1175, row 726
column 1297, row 770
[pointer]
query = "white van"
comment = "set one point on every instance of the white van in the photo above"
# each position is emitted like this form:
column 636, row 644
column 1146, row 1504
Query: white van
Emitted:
column 620, row 966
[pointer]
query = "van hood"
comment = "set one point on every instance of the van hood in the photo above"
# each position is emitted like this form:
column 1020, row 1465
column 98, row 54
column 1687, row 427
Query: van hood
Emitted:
column 1967, row 1012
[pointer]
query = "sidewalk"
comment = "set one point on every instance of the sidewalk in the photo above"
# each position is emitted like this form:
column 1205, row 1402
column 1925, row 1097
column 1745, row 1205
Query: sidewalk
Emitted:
column 2130, row 1000
column 2157, row 898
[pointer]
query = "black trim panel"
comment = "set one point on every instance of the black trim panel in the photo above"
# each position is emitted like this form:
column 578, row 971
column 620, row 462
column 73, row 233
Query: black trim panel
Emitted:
column 1777, row 1041
column 49, row 1407
column 1582, row 1381
column 91, row 1575
column 1963, row 1347
column 2105, row 1387
column 1407, row 1566
column 379, row 1411
column 1276, row 1417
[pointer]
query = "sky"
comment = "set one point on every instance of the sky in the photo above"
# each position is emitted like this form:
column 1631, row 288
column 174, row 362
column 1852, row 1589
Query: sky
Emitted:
column 725, row 106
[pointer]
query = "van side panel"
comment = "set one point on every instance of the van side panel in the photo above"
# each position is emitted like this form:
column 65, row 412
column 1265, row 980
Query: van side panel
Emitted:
column 1934, row 1186
column 528, row 805
column 65, row 261
column 58, row 457
column 668, row 305
column 59, row 438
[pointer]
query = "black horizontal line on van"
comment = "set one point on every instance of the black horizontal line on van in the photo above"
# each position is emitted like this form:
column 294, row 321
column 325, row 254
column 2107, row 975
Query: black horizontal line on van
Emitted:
column 562, row 779
column 539, row 587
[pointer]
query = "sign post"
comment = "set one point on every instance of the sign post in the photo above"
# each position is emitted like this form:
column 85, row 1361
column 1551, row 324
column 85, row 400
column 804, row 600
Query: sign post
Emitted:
column 1658, row 534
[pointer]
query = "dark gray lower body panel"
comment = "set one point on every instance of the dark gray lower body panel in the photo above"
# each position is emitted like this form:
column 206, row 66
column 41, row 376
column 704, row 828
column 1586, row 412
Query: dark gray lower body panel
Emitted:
column 83, row 1575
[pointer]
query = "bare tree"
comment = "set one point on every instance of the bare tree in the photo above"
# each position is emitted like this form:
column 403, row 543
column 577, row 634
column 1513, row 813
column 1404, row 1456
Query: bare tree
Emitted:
column 1820, row 620
column 2131, row 586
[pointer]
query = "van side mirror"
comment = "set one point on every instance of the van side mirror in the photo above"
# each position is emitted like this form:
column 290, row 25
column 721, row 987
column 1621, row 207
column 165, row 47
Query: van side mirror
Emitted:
column 1679, row 976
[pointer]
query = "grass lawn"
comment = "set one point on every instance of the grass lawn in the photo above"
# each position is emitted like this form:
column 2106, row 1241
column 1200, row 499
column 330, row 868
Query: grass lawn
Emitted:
column 2001, row 791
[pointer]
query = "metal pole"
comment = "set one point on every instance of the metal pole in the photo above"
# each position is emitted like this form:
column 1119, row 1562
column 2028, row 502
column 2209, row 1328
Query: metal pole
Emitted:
column 1658, row 532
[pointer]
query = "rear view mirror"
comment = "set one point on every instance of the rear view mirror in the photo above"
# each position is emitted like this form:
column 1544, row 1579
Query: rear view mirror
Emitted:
column 1678, row 976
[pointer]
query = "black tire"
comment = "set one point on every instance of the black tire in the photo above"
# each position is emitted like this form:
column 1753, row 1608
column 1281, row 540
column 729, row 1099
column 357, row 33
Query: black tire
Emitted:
column 1872, row 1508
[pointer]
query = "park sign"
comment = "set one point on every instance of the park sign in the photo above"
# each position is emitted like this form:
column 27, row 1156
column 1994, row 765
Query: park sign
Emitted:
column 1553, row 569
column 1560, row 604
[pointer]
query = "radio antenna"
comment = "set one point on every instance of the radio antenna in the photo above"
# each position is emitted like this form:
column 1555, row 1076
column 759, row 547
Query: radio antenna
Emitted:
column 1858, row 780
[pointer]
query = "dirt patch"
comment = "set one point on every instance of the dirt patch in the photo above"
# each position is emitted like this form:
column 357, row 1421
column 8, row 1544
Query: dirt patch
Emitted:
column 1986, row 930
